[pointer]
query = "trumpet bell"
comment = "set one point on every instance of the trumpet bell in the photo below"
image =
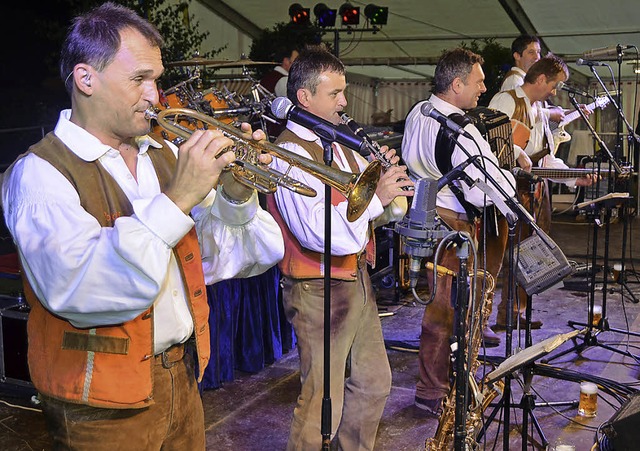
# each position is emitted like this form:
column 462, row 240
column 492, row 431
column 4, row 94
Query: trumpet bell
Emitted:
column 363, row 190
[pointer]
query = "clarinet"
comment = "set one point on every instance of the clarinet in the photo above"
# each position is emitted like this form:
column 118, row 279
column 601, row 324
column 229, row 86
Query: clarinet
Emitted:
column 373, row 146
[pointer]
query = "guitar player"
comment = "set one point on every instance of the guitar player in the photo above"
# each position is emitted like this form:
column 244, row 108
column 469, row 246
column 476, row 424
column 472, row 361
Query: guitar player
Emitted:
column 524, row 105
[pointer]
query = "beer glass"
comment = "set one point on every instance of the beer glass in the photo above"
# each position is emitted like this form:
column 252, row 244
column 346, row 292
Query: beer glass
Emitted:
column 588, row 406
column 597, row 314
column 617, row 269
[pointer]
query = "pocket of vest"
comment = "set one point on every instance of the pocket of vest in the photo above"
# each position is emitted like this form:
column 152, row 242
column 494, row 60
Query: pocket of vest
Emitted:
column 96, row 343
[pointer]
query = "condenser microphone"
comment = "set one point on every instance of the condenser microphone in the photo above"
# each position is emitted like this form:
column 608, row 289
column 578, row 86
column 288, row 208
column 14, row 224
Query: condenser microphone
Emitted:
column 283, row 108
column 429, row 110
column 604, row 52
column 419, row 229
column 581, row 62
column 571, row 90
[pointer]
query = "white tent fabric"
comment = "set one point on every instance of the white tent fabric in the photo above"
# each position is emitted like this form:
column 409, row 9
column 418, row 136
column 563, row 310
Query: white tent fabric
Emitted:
column 390, row 69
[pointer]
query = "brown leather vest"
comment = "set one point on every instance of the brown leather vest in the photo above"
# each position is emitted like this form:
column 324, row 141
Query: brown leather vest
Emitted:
column 107, row 366
column 299, row 262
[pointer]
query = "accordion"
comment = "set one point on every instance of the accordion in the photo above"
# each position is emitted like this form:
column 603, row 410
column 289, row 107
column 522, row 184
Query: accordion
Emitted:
column 496, row 129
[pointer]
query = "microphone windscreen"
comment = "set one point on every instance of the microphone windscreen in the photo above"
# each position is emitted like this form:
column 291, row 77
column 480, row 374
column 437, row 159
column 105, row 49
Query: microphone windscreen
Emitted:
column 280, row 107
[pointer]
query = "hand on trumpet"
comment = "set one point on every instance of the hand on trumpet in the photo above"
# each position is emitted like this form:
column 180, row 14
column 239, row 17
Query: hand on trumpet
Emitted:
column 234, row 190
column 393, row 179
column 201, row 161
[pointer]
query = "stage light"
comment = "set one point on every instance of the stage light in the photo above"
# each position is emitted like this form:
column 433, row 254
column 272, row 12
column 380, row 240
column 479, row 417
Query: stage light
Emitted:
column 377, row 15
column 350, row 14
column 298, row 14
column 326, row 16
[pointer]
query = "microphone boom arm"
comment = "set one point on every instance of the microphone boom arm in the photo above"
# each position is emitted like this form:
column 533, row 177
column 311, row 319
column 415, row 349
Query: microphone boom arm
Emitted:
column 617, row 107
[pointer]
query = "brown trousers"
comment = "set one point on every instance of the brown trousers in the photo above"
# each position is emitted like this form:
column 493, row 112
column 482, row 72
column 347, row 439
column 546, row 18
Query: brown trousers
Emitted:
column 356, row 349
column 174, row 422
column 438, row 319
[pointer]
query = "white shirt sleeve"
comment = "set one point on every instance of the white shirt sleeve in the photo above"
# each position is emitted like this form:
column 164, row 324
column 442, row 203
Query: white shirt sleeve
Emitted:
column 95, row 275
column 305, row 216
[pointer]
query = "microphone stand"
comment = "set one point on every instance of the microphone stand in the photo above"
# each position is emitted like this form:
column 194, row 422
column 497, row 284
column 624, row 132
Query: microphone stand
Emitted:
column 512, row 210
column 462, row 381
column 621, row 116
column 591, row 336
column 325, row 424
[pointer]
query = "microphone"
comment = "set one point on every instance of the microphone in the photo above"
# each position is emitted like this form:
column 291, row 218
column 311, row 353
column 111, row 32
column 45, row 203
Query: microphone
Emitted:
column 429, row 110
column 283, row 108
column 455, row 173
column 602, row 52
column 571, row 90
column 419, row 228
column 581, row 62
column 519, row 172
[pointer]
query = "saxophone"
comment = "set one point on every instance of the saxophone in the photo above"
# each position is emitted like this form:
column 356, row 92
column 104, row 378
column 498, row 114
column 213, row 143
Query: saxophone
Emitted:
column 480, row 396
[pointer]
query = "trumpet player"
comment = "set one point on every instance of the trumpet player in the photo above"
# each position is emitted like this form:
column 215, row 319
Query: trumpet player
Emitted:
column 316, row 84
column 117, row 233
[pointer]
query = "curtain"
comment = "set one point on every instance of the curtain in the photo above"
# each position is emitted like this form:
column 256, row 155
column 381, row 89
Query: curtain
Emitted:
column 247, row 326
column 365, row 99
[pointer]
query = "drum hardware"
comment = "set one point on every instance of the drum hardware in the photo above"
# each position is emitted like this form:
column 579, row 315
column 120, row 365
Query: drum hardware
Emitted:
column 198, row 61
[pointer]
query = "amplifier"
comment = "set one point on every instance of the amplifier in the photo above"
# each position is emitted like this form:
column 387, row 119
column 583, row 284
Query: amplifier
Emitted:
column 14, row 368
column 622, row 428
column 540, row 265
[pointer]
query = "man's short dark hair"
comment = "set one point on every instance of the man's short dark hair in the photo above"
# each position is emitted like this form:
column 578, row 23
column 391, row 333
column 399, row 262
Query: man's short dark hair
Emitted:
column 284, row 51
column 456, row 63
column 550, row 66
column 520, row 44
column 306, row 69
column 94, row 38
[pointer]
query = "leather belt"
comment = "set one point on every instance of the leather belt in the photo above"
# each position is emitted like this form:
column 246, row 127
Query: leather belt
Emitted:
column 171, row 356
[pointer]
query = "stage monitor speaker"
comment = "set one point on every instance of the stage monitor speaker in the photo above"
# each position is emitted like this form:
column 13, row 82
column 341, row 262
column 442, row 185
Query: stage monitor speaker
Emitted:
column 622, row 428
column 14, row 369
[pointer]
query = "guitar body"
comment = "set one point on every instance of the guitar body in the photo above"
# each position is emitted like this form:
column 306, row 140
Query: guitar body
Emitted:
column 560, row 135
column 520, row 133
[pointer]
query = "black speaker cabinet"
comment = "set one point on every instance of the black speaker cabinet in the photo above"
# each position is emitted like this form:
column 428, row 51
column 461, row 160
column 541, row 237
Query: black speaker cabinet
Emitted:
column 622, row 428
column 14, row 368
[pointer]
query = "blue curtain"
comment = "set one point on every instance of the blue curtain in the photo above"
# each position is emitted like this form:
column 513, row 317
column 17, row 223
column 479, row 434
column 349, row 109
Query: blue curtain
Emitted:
column 247, row 325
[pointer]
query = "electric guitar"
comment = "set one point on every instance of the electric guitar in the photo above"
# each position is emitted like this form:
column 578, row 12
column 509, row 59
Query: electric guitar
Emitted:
column 560, row 135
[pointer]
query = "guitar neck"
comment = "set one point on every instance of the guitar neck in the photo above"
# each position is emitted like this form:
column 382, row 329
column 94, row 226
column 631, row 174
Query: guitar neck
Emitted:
column 548, row 173
column 576, row 114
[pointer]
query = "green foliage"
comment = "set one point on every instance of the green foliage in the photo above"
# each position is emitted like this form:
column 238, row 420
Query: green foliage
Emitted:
column 181, row 32
column 497, row 61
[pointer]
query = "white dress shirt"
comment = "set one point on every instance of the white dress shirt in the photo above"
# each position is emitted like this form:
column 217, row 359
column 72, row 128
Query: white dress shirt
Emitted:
column 305, row 215
column 514, row 80
column 93, row 275
column 280, row 90
column 418, row 153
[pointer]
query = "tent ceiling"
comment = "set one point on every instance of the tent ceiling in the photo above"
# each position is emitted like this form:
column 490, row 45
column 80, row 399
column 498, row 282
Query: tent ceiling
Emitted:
column 418, row 30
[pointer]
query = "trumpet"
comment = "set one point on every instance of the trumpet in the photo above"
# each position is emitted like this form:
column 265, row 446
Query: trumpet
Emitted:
column 372, row 145
column 246, row 169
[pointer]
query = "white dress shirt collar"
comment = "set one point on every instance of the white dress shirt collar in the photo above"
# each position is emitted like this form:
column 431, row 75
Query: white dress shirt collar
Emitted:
column 85, row 145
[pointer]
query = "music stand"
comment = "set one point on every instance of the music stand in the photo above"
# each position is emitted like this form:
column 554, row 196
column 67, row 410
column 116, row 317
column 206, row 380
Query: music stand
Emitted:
column 525, row 357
